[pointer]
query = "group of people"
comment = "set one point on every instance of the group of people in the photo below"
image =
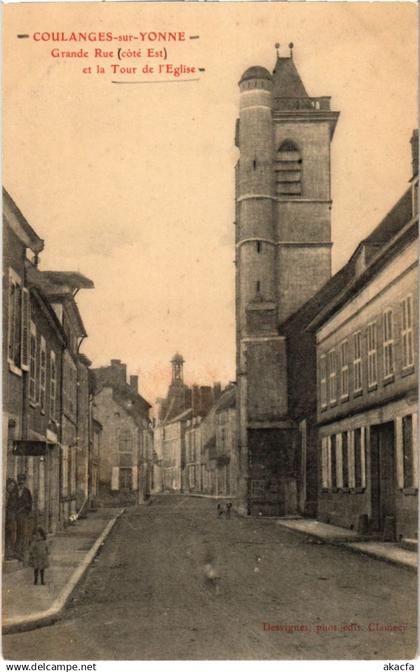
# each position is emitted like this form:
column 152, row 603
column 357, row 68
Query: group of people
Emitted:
column 22, row 543
column 18, row 518
column 224, row 509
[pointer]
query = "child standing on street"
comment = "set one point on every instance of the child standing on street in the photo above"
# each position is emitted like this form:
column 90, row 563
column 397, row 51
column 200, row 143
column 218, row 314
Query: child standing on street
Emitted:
column 38, row 555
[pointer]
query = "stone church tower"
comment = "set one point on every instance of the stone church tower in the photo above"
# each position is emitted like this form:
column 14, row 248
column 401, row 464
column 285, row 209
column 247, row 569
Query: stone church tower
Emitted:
column 283, row 256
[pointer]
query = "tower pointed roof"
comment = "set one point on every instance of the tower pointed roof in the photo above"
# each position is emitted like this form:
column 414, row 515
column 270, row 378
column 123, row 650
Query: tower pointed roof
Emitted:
column 286, row 80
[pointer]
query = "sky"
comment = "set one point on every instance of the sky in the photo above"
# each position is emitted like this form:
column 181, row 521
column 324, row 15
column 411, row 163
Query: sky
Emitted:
column 133, row 184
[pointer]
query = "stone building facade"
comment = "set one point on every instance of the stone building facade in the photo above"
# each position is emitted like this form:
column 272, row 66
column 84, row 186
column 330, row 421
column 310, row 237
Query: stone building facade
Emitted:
column 124, row 416
column 43, row 331
column 366, row 341
column 177, row 448
column 283, row 256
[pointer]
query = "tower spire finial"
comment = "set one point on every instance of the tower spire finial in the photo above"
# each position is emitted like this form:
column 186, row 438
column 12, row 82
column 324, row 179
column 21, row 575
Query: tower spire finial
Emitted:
column 277, row 47
column 291, row 45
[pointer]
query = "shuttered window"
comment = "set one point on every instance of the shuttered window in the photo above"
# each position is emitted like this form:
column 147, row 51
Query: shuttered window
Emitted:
column 323, row 381
column 345, row 459
column 344, row 369
column 407, row 332
column 26, row 330
column 53, row 385
column 408, row 455
column 42, row 373
column 288, row 169
column 33, row 364
column 14, row 326
column 388, row 344
column 372, row 355
column 332, row 376
column 357, row 361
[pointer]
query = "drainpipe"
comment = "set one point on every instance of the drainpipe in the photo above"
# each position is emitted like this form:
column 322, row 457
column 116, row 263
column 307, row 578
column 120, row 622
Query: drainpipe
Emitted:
column 76, row 445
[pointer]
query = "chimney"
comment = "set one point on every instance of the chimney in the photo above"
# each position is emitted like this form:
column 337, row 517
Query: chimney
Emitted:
column 415, row 152
column 119, row 371
column 195, row 399
column 217, row 391
column 134, row 383
column 206, row 399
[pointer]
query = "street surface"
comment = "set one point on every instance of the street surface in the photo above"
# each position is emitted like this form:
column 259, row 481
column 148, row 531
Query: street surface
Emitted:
column 175, row 582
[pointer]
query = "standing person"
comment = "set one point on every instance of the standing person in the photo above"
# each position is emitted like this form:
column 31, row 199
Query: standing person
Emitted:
column 228, row 508
column 38, row 555
column 11, row 514
column 23, row 517
column 220, row 509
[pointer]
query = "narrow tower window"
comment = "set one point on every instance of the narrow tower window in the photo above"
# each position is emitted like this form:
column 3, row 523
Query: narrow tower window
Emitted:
column 258, row 246
column 288, row 168
column 258, row 286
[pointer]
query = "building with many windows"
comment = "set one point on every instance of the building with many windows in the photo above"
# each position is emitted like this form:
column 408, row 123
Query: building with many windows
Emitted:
column 43, row 396
column 124, row 416
column 61, row 288
column 366, row 338
column 177, row 448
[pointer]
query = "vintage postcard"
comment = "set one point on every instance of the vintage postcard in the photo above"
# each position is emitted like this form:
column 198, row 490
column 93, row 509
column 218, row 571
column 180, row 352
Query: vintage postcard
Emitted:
column 210, row 323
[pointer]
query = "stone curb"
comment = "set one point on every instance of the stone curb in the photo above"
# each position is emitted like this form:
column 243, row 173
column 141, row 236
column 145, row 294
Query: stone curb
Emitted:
column 48, row 616
column 215, row 497
column 377, row 556
column 348, row 544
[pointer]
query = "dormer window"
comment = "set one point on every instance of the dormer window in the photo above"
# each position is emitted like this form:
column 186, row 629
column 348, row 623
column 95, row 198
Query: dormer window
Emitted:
column 288, row 169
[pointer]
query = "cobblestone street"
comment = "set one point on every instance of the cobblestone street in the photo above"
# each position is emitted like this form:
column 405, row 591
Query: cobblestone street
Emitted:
column 175, row 582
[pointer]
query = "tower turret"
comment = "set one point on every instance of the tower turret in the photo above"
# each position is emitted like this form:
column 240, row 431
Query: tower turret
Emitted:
column 283, row 256
column 255, row 234
column 177, row 362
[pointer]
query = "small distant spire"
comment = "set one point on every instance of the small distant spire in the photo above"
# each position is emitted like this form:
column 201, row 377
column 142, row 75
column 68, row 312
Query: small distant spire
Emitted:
column 291, row 45
column 277, row 46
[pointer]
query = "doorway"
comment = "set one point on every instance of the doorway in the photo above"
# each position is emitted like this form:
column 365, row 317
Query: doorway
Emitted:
column 382, row 461
column 126, row 478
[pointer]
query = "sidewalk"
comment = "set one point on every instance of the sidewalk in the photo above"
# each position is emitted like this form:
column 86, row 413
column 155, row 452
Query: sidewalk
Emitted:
column 26, row 606
column 331, row 534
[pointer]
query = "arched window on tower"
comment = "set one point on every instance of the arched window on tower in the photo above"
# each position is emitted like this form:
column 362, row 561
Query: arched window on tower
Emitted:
column 288, row 167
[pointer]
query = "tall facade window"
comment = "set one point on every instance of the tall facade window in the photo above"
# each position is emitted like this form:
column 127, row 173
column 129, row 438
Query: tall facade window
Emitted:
column 372, row 354
column 125, row 441
column 53, row 385
column 257, row 488
column 323, row 381
column 407, row 332
column 388, row 344
column 33, row 365
column 326, row 462
column 359, row 458
column 357, row 361
column 344, row 369
column 42, row 373
column 408, row 455
column 345, row 453
column 14, row 328
column 332, row 376
column 333, row 461
column 288, row 169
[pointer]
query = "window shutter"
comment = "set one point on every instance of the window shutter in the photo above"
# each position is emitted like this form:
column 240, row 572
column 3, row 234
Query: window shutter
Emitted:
column 324, row 462
column 26, row 330
column 329, row 462
column 399, row 452
column 415, row 448
column 339, row 459
column 115, row 478
column 135, row 478
column 363, row 455
column 352, row 481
